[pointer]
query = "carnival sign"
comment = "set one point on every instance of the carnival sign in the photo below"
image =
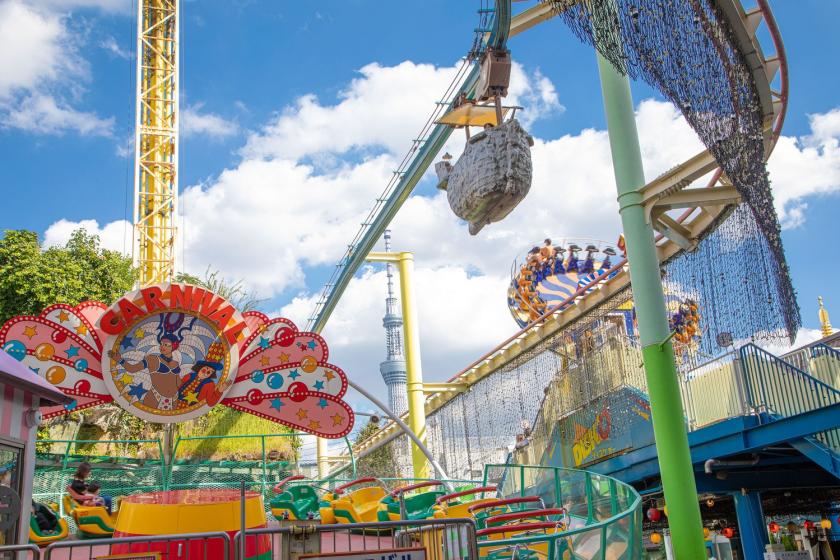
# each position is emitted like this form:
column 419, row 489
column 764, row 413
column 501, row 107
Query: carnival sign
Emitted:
column 171, row 352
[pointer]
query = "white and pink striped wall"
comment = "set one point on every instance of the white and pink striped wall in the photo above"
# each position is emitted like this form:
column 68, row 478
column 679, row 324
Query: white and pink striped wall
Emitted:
column 14, row 404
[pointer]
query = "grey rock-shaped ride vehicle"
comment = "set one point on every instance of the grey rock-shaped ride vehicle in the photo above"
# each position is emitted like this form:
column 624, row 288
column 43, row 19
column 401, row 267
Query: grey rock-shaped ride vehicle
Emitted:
column 491, row 177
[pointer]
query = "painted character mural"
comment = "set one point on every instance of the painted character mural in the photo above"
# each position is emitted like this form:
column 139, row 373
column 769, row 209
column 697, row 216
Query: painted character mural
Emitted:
column 170, row 352
column 161, row 367
column 201, row 384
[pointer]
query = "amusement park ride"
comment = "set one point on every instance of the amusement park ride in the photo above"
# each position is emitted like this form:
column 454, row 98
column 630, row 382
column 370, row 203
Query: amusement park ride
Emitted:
column 169, row 352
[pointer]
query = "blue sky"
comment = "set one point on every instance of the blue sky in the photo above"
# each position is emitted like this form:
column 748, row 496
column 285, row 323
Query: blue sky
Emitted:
column 294, row 114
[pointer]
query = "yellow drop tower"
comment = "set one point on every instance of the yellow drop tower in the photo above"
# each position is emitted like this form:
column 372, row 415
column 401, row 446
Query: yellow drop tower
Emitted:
column 156, row 141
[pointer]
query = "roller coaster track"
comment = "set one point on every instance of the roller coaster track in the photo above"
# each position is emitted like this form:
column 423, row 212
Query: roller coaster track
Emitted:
column 420, row 155
column 704, row 207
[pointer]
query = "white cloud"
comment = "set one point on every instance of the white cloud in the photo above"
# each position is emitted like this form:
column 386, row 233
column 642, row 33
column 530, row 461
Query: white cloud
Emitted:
column 209, row 125
column 110, row 44
column 805, row 167
column 381, row 108
column 265, row 220
column 30, row 47
column 115, row 236
column 42, row 73
column 43, row 114
column 445, row 297
column 109, row 6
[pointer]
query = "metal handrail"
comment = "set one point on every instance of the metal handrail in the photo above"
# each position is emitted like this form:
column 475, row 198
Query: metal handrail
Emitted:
column 109, row 542
column 16, row 549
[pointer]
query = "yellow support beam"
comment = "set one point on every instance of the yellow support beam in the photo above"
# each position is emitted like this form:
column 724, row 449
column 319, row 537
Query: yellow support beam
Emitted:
column 156, row 141
column 414, row 370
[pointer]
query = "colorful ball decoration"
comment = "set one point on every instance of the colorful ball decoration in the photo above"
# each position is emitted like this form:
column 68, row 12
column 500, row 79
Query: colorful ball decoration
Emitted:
column 44, row 351
column 55, row 375
column 81, row 364
column 275, row 381
column 254, row 396
column 774, row 527
column 285, row 337
column 728, row 532
column 297, row 392
column 654, row 514
column 16, row 349
column 655, row 538
column 825, row 523
column 308, row 364
column 58, row 336
column 257, row 376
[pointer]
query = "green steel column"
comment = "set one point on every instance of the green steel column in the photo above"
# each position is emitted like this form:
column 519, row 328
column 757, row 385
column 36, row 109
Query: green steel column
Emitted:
column 665, row 404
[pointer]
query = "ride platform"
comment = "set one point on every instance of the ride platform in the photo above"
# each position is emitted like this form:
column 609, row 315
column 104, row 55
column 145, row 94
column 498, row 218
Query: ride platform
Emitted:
column 174, row 512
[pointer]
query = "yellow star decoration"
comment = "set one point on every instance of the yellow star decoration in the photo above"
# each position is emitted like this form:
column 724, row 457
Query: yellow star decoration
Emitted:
column 62, row 316
column 337, row 419
column 264, row 361
column 191, row 397
column 126, row 379
column 284, row 358
column 139, row 333
column 30, row 332
column 301, row 413
column 314, row 425
column 329, row 375
column 81, row 329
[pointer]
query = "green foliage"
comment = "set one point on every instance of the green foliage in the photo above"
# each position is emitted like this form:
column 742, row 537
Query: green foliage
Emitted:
column 236, row 293
column 380, row 463
column 32, row 278
column 223, row 421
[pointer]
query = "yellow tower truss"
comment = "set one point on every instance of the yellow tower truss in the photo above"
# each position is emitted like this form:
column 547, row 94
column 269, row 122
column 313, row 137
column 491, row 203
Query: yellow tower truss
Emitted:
column 156, row 140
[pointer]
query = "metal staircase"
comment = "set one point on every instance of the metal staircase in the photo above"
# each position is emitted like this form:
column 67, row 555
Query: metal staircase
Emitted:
column 749, row 382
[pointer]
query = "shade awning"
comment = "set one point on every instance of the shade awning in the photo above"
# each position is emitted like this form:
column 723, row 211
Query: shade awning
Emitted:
column 19, row 375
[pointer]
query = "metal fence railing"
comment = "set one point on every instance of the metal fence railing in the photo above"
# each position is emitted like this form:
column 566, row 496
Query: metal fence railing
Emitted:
column 20, row 552
column 439, row 539
column 740, row 382
column 781, row 388
column 820, row 359
column 190, row 546
column 605, row 515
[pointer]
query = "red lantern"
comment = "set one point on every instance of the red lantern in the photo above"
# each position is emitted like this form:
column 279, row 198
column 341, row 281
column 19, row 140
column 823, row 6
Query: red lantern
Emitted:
column 809, row 525
column 774, row 527
column 654, row 514
column 728, row 532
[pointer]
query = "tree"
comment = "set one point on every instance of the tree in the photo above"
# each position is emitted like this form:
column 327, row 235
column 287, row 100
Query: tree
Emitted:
column 32, row 278
column 235, row 292
column 380, row 463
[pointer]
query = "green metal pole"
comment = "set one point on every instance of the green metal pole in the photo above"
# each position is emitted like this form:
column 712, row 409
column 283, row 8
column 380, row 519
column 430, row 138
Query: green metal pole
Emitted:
column 264, row 473
column 666, row 408
column 352, row 456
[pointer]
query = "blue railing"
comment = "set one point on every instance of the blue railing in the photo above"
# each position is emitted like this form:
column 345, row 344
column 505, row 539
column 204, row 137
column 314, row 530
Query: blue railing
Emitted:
column 785, row 390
